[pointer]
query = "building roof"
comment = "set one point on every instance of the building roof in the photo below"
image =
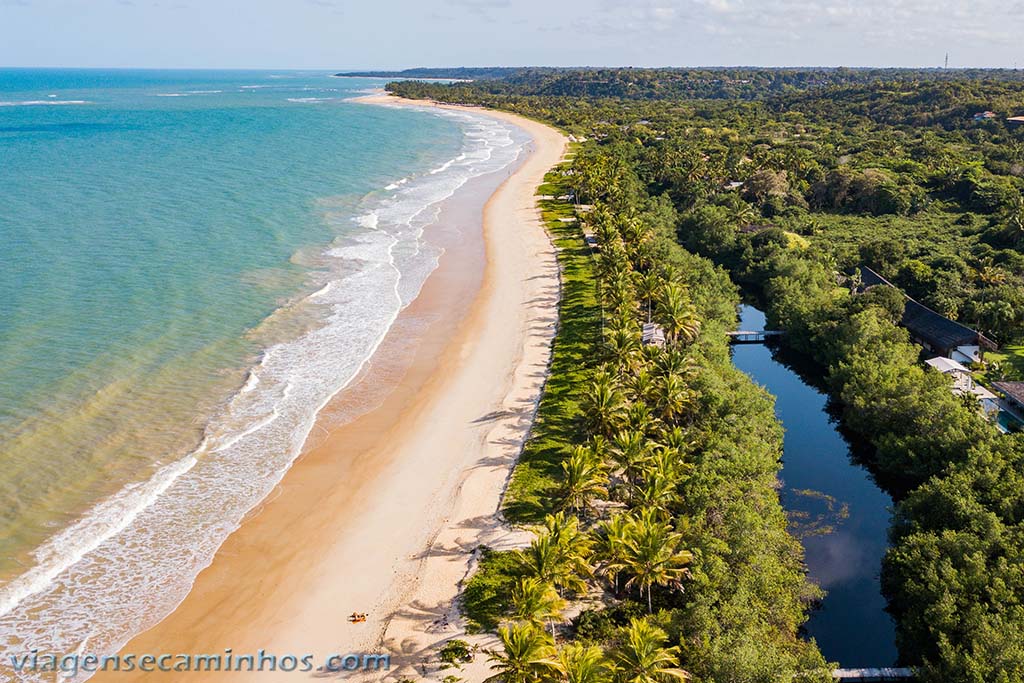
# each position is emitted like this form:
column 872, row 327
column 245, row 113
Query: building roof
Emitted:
column 1014, row 390
column 982, row 393
column 1016, row 119
column 938, row 331
column 652, row 334
column 946, row 365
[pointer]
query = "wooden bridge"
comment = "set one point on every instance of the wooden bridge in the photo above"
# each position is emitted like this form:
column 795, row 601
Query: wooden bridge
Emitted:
column 752, row 336
column 865, row 675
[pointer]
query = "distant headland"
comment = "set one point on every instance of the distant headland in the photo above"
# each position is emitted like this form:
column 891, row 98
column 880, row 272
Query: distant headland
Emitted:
column 459, row 73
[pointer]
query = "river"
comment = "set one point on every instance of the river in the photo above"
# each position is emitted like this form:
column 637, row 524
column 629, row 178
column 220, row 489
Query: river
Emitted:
column 837, row 510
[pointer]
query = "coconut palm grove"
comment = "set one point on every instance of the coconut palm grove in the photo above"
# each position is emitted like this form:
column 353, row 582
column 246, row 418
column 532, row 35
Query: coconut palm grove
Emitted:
column 661, row 551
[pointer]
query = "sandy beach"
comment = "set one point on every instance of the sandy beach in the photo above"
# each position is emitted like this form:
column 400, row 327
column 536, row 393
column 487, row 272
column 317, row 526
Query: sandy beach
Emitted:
column 382, row 514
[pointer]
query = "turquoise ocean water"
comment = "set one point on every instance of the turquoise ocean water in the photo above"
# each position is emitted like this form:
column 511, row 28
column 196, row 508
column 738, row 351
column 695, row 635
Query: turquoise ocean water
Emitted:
column 191, row 265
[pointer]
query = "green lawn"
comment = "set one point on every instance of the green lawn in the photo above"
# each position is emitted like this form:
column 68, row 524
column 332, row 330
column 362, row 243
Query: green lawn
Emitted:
column 1010, row 362
column 536, row 477
column 487, row 597
column 535, row 480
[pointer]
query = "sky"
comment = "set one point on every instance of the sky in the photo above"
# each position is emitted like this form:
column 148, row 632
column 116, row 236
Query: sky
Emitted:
column 392, row 34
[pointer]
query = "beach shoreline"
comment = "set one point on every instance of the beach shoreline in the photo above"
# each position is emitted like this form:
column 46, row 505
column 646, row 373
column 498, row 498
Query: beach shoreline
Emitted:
column 383, row 514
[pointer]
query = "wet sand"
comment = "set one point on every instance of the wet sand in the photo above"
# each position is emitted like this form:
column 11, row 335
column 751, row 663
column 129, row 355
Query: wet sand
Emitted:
column 383, row 512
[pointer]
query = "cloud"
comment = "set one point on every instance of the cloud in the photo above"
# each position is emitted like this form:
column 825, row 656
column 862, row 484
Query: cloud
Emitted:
column 631, row 17
column 482, row 4
column 482, row 8
column 783, row 23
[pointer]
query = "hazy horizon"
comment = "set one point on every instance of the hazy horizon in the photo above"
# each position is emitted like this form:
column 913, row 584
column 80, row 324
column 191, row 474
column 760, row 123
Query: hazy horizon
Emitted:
column 362, row 69
column 342, row 35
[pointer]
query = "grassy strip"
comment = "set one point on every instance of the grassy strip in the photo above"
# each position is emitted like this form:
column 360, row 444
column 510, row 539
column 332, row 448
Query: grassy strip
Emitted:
column 487, row 597
column 535, row 480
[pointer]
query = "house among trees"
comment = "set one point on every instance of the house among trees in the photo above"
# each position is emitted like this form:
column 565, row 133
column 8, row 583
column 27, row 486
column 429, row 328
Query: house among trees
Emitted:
column 652, row 335
column 984, row 115
column 1011, row 419
column 934, row 331
column 960, row 375
column 963, row 383
column 1014, row 393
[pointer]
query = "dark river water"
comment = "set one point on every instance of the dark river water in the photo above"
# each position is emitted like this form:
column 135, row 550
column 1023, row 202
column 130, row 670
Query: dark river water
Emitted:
column 836, row 509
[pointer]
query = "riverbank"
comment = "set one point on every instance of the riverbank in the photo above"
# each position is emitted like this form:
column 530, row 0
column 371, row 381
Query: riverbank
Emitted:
column 835, row 508
column 381, row 515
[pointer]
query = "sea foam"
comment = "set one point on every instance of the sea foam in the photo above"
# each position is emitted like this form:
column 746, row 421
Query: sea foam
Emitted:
column 131, row 559
column 44, row 103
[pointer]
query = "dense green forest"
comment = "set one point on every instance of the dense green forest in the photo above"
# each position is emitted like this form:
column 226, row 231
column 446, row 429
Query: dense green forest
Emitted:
column 459, row 73
column 656, row 84
column 651, row 473
column 787, row 189
column 896, row 174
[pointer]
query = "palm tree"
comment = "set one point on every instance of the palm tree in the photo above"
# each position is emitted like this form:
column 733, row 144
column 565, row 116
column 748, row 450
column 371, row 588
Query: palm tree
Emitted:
column 653, row 554
column 624, row 344
column 559, row 555
column 1013, row 215
column 634, row 230
column 677, row 442
column 583, row 480
column 989, row 274
column 543, row 559
column 603, row 405
column 599, row 446
column 644, row 255
column 677, row 314
column 640, row 418
column 604, row 225
column 620, row 292
column 674, row 361
column 641, row 384
column 527, row 657
column 629, row 450
column 610, row 539
column 647, row 287
column 612, row 259
column 583, row 664
column 537, row 602
column 743, row 214
column 673, row 397
column 642, row 657
column 659, row 491
column 575, row 549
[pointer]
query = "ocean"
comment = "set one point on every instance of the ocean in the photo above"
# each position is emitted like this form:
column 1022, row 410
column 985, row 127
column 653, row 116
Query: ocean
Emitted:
column 193, row 264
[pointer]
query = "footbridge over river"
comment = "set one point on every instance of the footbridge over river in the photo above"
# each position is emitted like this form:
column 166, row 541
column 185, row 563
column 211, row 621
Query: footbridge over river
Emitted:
column 865, row 675
column 752, row 336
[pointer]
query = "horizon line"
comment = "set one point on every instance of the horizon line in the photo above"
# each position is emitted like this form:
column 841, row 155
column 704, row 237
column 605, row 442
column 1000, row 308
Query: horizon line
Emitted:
column 533, row 66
